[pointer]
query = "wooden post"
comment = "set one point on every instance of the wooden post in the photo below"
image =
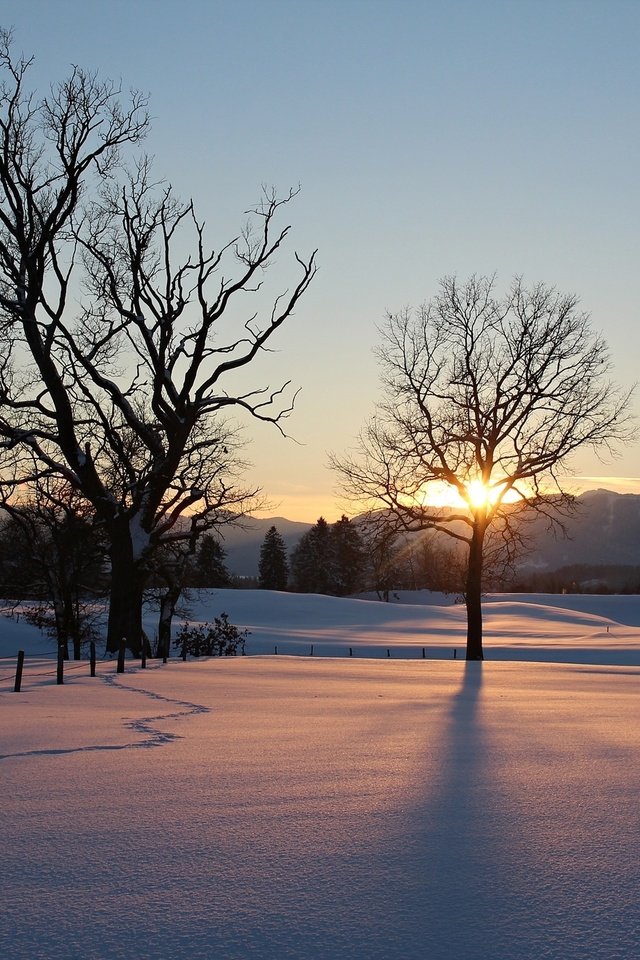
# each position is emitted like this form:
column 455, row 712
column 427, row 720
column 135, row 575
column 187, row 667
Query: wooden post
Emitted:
column 92, row 659
column 276, row 652
column 19, row 666
column 424, row 654
column 388, row 652
column 311, row 654
column 455, row 653
column 350, row 651
column 121, row 652
column 60, row 670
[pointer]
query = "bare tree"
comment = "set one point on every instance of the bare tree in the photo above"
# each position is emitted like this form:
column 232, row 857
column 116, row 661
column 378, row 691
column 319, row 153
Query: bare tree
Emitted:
column 122, row 397
column 489, row 397
column 54, row 554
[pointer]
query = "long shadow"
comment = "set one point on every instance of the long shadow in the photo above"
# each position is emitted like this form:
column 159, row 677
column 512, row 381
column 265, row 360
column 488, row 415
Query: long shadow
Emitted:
column 452, row 896
column 467, row 855
column 460, row 808
column 419, row 890
column 457, row 892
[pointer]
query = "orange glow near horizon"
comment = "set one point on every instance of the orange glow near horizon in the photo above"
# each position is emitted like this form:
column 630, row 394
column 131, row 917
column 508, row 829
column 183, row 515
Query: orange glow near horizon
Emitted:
column 306, row 507
column 440, row 494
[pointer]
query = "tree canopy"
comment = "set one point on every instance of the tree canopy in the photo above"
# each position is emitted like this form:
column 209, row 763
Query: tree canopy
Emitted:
column 125, row 396
column 273, row 566
column 330, row 558
column 486, row 397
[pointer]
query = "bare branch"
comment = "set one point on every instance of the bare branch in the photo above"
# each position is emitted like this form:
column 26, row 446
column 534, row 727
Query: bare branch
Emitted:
column 485, row 394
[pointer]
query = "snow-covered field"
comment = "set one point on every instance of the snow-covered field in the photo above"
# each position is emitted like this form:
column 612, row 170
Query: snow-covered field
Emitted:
column 332, row 807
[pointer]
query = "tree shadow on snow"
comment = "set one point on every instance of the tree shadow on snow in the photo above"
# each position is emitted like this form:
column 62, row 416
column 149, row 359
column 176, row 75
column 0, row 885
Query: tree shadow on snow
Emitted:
column 453, row 898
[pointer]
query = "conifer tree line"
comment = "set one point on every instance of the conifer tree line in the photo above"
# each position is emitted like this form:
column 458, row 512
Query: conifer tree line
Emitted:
column 350, row 557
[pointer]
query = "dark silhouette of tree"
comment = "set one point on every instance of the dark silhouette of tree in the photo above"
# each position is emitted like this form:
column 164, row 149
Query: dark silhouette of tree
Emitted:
column 169, row 573
column 312, row 561
column 273, row 566
column 349, row 558
column 51, row 551
column 124, row 398
column 178, row 565
column 382, row 548
column 329, row 559
column 210, row 569
column 489, row 397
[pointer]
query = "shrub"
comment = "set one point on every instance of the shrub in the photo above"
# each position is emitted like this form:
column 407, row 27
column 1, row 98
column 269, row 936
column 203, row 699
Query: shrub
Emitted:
column 220, row 639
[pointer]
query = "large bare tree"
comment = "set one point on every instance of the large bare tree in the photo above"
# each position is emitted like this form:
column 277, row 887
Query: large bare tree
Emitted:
column 121, row 350
column 488, row 396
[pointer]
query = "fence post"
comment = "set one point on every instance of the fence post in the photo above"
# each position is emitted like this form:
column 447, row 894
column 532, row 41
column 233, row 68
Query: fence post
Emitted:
column 19, row 666
column 92, row 659
column 424, row 654
column 388, row 652
column 311, row 654
column 60, row 670
column 121, row 652
column 350, row 651
column 455, row 653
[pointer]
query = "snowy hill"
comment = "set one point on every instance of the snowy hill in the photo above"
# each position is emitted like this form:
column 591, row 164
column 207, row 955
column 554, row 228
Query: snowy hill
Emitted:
column 365, row 808
column 573, row 629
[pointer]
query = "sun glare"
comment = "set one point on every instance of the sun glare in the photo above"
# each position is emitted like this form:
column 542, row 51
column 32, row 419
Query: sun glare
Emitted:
column 479, row 495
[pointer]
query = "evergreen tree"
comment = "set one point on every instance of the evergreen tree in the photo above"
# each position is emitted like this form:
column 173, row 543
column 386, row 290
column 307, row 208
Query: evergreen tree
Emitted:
column 349, row 557
column 210, row 567
column 312, row 561
column 329, row 559
column 273, row 568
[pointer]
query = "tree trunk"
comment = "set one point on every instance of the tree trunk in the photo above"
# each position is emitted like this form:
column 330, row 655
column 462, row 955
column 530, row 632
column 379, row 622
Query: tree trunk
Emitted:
column 125, row 599
column 168, row 605
column 76, row 626
column 62, row 626
column 474, row 592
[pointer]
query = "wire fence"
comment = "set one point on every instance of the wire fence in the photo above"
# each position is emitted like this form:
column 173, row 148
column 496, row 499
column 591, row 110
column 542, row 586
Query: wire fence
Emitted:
column 61, row 668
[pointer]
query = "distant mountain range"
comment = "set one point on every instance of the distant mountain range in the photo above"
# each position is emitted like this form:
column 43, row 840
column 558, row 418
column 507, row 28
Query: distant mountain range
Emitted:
column 605, row 529
column 242, row 545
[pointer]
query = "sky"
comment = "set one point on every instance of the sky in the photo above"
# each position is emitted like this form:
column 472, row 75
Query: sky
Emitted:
column 428, row 139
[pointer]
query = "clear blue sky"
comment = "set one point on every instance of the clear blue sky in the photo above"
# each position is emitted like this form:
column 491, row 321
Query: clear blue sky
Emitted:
column 429, row 138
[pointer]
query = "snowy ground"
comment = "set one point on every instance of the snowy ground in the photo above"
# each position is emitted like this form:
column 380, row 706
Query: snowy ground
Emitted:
column 297, row 807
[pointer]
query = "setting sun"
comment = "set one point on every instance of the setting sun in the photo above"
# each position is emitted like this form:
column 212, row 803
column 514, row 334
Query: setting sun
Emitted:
column 480, row 495
column 440, row 494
